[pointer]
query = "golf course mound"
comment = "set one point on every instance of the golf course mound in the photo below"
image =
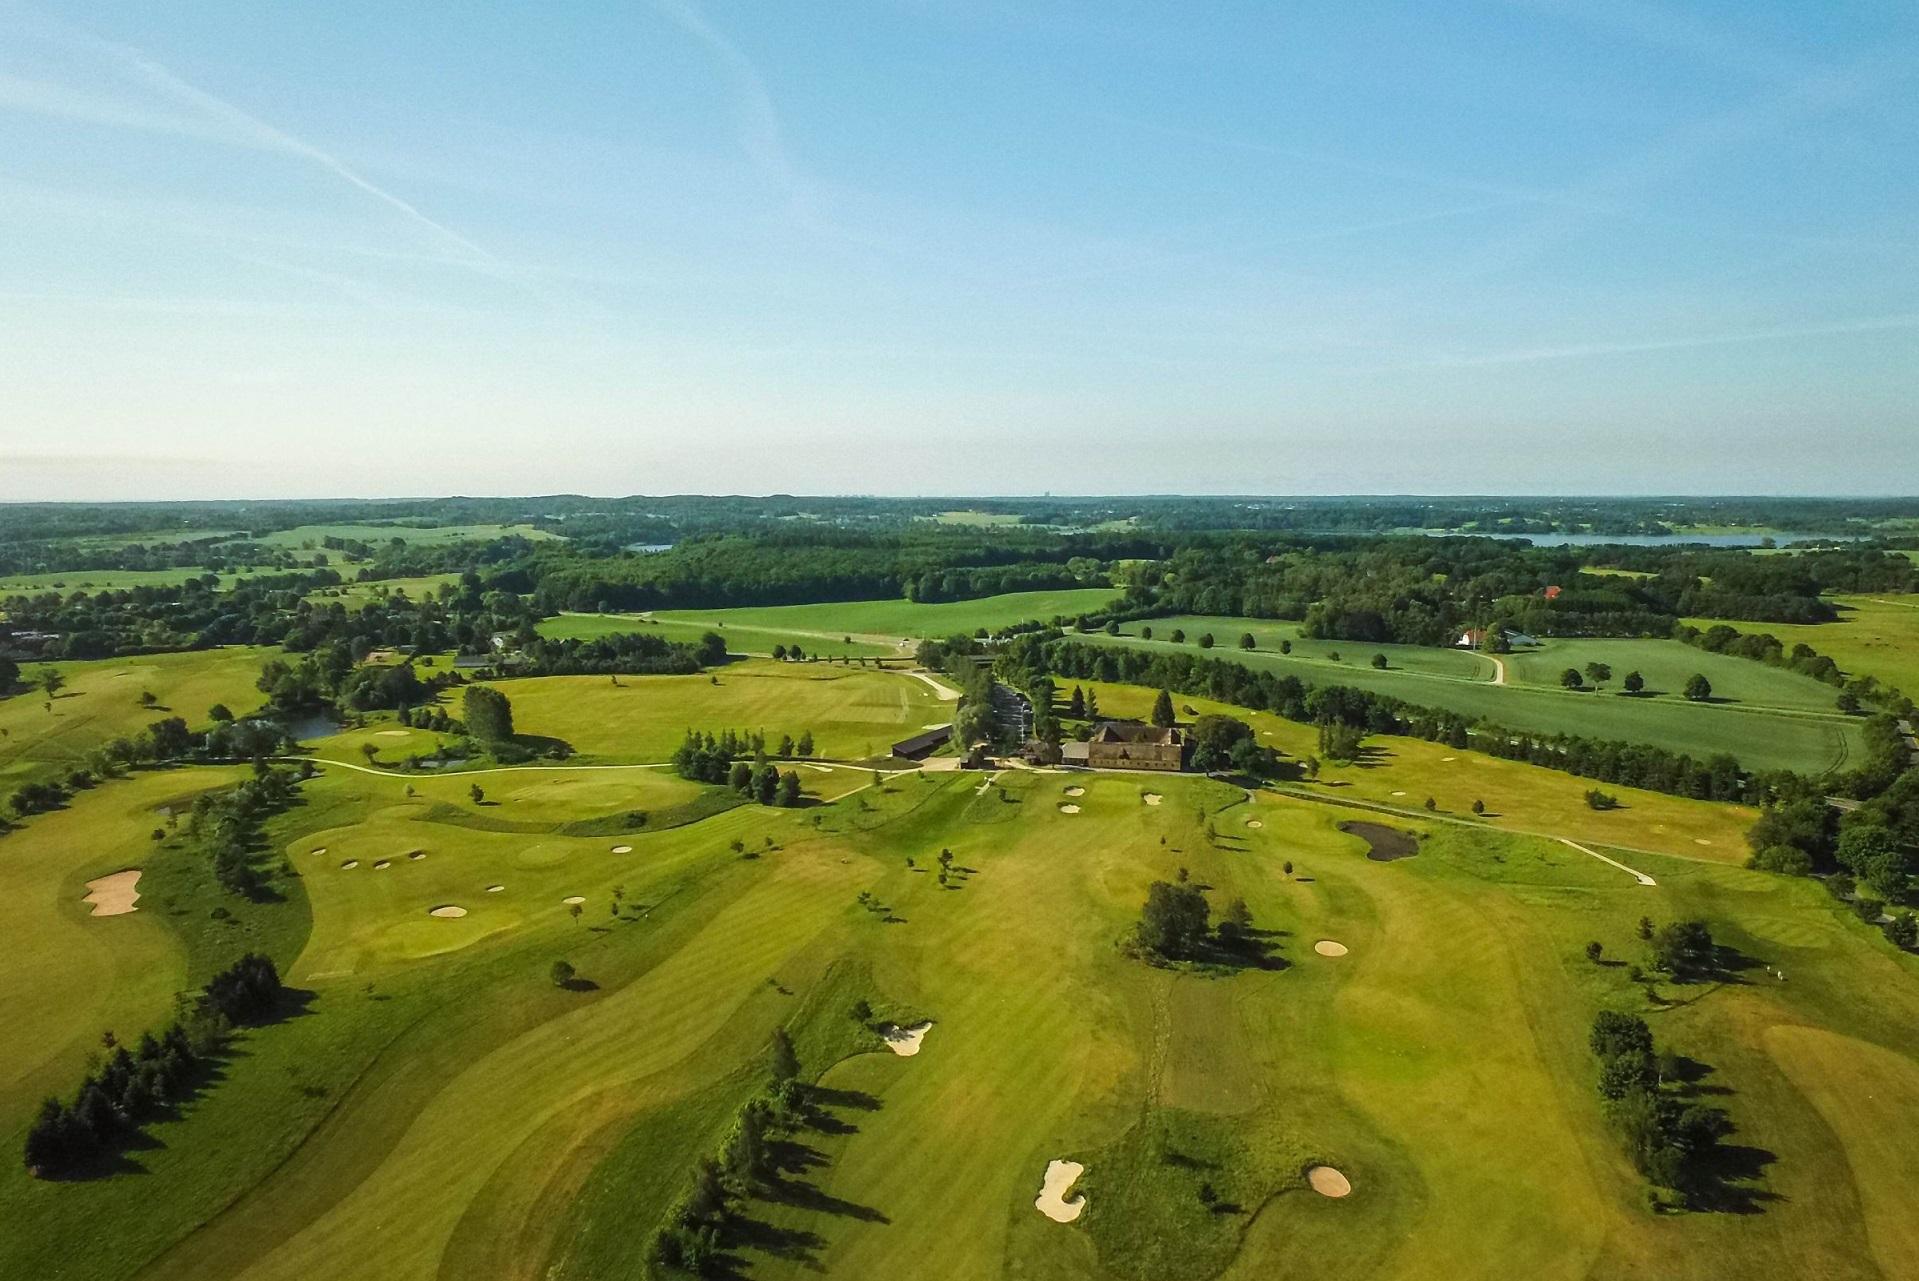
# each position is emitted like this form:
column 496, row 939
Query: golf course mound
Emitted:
column 1052, row 1201
column 904, row 1041
column 114, row 895
column 1327, row 1181
column 1069, row 809
column 1327, row 947
column 447, row 911
column 1383, row 844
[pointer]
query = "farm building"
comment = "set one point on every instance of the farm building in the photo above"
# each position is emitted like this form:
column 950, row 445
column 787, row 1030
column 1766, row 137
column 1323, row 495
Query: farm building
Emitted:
column 921, row 746
column 1135, row 745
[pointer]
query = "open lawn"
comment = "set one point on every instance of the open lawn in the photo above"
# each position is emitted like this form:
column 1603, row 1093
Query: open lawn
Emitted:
column 101, row 700
column 740, row 639
column 852, row 712
column 1791, row 721
column 441, row 1108
column 354, row 595
column 1875, row 636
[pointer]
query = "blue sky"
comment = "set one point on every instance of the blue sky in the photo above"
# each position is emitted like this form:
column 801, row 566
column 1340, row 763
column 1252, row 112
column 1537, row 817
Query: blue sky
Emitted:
column 922, row 246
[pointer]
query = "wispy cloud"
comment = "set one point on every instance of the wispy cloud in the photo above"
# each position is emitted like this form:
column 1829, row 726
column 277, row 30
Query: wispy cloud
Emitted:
column 1688, row 342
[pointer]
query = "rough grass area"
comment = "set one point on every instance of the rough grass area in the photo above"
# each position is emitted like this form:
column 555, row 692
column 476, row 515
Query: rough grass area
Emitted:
column 1875, row 636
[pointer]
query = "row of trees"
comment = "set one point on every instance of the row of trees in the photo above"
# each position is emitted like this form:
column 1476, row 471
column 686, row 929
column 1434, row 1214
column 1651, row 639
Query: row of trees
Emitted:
column 224, row 827
column 738, row 760
column 133, row 1085
column 1670, row 1140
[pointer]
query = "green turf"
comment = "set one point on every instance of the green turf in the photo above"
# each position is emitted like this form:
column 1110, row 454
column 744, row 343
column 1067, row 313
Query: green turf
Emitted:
column 739, row 639
column 354, row 595
column 115, row 580
column 1875, row 636
column 443, row 1110
column 892, row 620
column 1796, row 726
column 311, row 536
column 101, row 700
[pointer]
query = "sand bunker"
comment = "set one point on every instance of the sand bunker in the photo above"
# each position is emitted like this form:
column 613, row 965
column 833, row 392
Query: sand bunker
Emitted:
column 1399, row 793
column 1076, row 791
column 1326, row 947
column 1449, row 758
column 1069, row 809
column 394, row 733
column 622, row 849
column 349, row 865
column 1327, row 1181
column 1383, row 844
column 1152, row 798
column 1254, row 823
column 1700, row 840
column 1051, row 1201
column 114, row 895
column 905, row 1041
column 574, row 900
column 447, row 912
column 494, row 889
column 383, row 865
column 321, row 850
column 416, row 855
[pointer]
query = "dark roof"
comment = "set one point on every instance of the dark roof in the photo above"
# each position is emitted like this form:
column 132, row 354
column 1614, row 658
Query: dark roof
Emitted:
column 925, row 742
column 1135, row 732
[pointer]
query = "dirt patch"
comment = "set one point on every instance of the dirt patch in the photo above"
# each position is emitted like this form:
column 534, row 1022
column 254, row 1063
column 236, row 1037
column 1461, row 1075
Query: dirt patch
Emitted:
column 1152, row 798
column 1052, row 1201
column 1383, row 844
column 905, row 1041
column 447, row 912
column 622, row 849
column 1327, row 1181
column 1069, row 809
column 574, row 900
column 114, row 895
column 1326, row 947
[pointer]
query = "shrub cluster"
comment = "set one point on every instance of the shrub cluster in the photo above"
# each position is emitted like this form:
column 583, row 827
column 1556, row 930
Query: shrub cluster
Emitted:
column 1669, row 1140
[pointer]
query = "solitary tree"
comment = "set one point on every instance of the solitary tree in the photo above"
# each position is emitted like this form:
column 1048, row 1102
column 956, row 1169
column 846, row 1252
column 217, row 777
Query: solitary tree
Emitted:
column 805, row 745
column 1163, row 710
column 1594, row 951
column 1598, row 673
column 1173, row 921
column 369, row 750
column 51, row 681
column 563, row 973
column 1571, row 679
column 478, row 793
column 1379, row 662
column 784, row 1063
column 1479, row 807
column 1634, row 682
column 1285, row 647
column 1206, row 641
column 1246, row 641
column 488, row 714
column 574, row 910
column 1698, row 688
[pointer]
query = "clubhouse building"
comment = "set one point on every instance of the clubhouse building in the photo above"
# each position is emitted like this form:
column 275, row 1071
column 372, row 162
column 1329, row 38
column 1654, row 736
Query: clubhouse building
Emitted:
column 1128, row 745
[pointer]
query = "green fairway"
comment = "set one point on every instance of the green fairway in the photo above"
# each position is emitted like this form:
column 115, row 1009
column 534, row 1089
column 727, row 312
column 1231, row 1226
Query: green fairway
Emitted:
column 442, row 1108
column 894, row 620
column 354, row 595
column 739, row 639
column 42, row 738
column 853, row 712
column 1875, row 636
column 1791, row 723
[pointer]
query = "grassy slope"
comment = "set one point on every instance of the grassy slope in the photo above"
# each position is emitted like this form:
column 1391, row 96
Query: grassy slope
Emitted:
column 1761, row 736
column 739, row 640
column 305, row 536
column 354, row 595
column 893, row 619
column 101, row 701
column 443, row 1105
column 105, row 580
column 853, row 712
column 1877, row 636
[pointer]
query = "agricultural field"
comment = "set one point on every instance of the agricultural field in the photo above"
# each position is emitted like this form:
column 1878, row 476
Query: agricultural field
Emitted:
column 119, row 580
column 1875, row 636
column 437, row 1105
column 311, row 536
column 42, row 738
column 1766, row 717
column 875, row 628
column 354, row 595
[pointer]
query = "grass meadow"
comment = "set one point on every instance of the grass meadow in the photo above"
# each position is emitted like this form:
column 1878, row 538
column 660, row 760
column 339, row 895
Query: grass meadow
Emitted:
column 1768, row 718
column 1874, row 636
